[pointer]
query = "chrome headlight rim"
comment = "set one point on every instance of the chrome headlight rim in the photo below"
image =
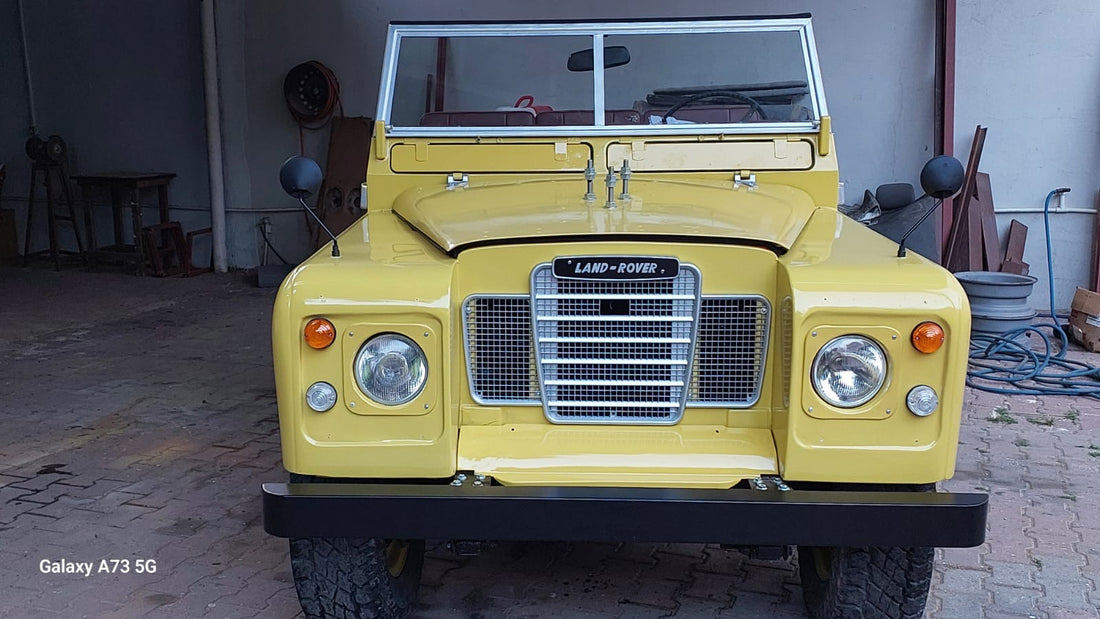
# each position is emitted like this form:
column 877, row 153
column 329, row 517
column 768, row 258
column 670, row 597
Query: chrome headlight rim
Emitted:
column 837, row 342
column 415, row 360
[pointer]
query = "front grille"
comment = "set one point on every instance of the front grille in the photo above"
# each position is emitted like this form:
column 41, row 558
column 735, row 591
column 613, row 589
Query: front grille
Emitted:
column 617, row 352
column 614, row 351
column 730, row 351
column 499, row 358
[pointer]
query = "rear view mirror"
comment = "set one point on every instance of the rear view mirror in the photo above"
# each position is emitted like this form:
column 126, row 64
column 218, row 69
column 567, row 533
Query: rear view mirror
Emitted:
column 300, row 177
column 614, row 56
column 942, row 177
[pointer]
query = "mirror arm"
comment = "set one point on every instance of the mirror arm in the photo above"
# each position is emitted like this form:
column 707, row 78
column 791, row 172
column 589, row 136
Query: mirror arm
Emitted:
column 335, row 245
column 901, row 244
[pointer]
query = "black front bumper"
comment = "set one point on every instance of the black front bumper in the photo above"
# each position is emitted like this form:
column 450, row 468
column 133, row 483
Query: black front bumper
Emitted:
column 739, row 517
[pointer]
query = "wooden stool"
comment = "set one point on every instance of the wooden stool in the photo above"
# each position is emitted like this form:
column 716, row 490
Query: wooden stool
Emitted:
column 52, row 174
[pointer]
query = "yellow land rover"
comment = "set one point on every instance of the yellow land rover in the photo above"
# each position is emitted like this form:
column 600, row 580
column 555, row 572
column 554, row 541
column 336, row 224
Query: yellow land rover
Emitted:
column 602, row 291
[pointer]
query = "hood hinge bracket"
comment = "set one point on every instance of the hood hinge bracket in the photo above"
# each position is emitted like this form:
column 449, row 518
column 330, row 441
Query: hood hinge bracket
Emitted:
column 744, row 177
column 457, row 180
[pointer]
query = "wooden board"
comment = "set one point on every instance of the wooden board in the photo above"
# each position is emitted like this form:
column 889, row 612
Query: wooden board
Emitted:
column 1014, row 249
column 963, row 249
column 982, row 205
column 1015, row 266
column 345, row 171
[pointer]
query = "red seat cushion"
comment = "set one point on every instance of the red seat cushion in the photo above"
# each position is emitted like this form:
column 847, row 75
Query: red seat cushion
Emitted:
column 477, row 119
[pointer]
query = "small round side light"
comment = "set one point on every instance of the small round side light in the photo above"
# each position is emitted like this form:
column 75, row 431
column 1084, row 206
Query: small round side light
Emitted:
column 927, row 337
column 321, row 396
column 320, row 333
column 922, row 400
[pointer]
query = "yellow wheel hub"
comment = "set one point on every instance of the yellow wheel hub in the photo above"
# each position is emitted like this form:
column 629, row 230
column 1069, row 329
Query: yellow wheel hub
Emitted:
column 397, row 555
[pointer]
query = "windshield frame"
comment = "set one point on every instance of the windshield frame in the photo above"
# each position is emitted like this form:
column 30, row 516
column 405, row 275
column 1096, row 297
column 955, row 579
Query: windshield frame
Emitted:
column 598, row 31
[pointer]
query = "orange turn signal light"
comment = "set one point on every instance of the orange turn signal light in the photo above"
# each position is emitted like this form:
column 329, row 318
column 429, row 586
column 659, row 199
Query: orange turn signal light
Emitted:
column 320, row 333
column 928, row 337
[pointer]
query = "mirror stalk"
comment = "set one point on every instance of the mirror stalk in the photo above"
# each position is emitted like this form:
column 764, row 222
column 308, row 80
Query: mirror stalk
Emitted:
column 941, row 178
column 335, row 245
column 913, row 228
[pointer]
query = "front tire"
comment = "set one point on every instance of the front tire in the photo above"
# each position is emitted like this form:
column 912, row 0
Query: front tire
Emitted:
column 353, row 578
column 859, row 583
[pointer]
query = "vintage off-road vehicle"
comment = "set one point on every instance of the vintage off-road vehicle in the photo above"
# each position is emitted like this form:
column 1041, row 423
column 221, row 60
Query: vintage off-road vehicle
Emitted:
column 602, row 291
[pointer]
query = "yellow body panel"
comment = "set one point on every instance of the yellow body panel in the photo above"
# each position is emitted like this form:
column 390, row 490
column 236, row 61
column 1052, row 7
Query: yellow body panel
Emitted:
column 536, row 209
column 423, row 249
column 696, row 456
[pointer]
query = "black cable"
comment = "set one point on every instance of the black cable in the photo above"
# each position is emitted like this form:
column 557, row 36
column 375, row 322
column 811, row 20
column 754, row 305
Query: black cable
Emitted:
column 263, row 233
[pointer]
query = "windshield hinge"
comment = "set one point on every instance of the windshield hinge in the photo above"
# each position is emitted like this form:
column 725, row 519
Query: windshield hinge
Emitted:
column 458, row 180
column 744, row 177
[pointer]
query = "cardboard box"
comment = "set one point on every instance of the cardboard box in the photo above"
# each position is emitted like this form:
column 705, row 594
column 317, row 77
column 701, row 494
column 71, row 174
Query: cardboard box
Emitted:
column 1084, row 319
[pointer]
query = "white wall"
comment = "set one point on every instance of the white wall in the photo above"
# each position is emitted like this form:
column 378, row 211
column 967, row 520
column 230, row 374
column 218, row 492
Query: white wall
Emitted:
column 1030, row 72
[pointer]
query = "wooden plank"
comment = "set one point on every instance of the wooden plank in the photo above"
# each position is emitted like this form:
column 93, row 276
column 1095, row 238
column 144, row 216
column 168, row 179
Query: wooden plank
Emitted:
column 982, row 204
column 967, row 236
column 1015, row 266
column 1014, row 249
column 345, row 171
column 974, row 235
column 961, row 243
column 1017, row 237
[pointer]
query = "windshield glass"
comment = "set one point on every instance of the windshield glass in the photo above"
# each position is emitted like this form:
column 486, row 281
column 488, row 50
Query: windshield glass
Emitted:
column 712, row 76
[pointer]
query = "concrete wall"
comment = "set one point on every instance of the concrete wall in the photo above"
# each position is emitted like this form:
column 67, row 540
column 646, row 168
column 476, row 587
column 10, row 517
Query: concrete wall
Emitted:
column 877, row 59
column 1030, row 72
column 121, row 82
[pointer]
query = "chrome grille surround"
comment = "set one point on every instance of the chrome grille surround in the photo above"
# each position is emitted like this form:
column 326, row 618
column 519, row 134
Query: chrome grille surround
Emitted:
column 614, row 351
column 500, row 354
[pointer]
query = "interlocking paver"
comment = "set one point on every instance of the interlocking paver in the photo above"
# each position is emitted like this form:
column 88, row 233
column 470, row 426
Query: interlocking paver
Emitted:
column 158, row 456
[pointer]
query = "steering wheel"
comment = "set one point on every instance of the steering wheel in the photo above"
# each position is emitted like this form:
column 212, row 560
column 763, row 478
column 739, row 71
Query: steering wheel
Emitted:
column 733, row 95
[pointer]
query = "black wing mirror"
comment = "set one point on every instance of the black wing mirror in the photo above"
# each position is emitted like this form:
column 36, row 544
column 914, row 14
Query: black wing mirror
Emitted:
column 942, row 177
column 300, row 177
column 613, row 56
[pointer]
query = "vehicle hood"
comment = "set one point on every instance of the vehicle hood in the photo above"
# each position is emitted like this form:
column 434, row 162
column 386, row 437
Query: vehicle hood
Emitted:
column 553, row 210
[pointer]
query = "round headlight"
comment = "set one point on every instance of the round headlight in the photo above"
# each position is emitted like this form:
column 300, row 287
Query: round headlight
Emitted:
column 391, row 369
column 849, row 371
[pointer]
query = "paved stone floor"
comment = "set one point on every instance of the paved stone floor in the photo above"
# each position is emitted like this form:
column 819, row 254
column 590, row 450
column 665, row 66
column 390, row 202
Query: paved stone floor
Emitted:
column 137, row 420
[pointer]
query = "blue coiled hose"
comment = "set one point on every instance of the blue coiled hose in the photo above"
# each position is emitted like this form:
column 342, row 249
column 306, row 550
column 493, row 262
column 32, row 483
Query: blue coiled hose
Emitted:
column 1002, row 364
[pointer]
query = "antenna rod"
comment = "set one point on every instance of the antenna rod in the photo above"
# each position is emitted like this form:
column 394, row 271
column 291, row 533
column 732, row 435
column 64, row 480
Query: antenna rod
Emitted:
column 335, row 246
column 901, row 244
